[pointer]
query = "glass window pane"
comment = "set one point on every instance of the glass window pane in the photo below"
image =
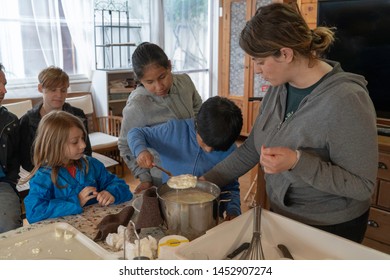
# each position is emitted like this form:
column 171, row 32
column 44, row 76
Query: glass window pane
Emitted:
column 237, row 55
column 118, row 26
column 187, row 40
column 139, row 12
column 260, row 86
column 186, row 24
column 201, row 81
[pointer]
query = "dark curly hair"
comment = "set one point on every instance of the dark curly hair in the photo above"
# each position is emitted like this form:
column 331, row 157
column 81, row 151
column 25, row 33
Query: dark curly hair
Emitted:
column 219, row 123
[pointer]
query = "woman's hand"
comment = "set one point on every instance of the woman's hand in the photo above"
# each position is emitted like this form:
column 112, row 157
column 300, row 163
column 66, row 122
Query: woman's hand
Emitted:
column 105, row 198
column 145, row 159
column 277, row 159
column 86, row 194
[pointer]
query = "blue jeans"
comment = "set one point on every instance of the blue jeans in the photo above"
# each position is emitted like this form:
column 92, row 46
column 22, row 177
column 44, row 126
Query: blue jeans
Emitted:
column 10, row 210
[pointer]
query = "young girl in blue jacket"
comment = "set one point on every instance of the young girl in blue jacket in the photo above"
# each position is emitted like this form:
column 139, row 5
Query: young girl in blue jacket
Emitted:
column 64, row 180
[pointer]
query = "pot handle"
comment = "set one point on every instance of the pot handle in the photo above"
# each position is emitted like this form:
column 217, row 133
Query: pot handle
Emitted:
column 219, row 203
column 224, row 200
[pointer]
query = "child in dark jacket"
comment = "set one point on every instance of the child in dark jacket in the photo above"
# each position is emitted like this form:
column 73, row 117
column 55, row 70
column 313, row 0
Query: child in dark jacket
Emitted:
column 64, row 180
column 53, row 84
column 10, row 211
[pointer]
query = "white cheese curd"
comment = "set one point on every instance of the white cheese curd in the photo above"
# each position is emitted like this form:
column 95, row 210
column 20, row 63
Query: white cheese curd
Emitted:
column 184, row 181
column 112, row 239
column 58, row 232
column 148, row 248
column 35, row 251
column 20, row 243
column 68, row 235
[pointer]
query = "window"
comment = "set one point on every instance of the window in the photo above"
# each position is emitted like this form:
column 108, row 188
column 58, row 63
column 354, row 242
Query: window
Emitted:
column 119, row 27
column 37, row 34
column 187, row 39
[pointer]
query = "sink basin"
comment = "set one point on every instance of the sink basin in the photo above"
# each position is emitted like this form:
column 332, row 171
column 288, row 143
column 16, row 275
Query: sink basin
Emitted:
column 304, row 242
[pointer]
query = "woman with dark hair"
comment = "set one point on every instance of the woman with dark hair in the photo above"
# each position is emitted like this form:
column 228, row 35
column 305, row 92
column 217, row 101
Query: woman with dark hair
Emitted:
column 161, row 96
column 315, row 136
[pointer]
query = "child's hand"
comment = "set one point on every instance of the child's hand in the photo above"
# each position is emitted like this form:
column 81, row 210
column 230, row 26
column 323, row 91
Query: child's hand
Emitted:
column 229, row 217
column 145, row 159
column 86, row 194
column 105, row 198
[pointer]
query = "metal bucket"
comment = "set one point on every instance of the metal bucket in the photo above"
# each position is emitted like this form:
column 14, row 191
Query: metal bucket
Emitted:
column 190, row 219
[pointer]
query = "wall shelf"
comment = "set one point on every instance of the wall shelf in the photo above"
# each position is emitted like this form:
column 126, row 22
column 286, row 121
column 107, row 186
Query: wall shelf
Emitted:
column 111, row 89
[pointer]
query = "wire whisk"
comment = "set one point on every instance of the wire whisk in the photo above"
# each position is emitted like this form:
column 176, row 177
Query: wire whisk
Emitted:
column 130, row 233
column 255, row 250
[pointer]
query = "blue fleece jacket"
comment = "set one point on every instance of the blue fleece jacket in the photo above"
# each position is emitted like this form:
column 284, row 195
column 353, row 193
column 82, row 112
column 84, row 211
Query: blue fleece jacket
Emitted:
column 180, row 153
column 45, row 200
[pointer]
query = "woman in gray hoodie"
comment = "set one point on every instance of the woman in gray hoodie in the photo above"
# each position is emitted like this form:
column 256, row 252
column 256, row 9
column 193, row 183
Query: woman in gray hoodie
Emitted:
column 315, row 136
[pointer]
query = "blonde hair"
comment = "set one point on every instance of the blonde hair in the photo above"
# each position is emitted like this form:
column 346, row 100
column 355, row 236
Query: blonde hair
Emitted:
column 53, row 77
column 276, row 26
column 50, row 141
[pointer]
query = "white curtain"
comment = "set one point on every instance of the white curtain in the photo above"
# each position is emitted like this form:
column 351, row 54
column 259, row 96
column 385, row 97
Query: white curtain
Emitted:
column 157, row 28
column 11, row 40
column 49, row 35
column 80, row 23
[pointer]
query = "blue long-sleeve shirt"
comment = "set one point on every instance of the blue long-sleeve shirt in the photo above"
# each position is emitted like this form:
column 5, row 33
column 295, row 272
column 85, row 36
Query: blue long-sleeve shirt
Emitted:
column 180, row 153
column 45, row 200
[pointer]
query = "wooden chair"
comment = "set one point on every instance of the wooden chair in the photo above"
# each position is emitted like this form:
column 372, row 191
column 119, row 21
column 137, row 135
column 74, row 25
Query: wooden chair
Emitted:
column 103, row 131
column 19, row 108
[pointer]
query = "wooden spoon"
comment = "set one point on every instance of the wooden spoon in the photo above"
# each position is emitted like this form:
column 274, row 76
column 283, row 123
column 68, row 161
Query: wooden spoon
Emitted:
column 163, row 170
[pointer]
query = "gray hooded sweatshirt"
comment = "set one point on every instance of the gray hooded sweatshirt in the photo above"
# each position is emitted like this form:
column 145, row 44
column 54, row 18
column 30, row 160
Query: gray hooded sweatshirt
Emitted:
column 334, row 127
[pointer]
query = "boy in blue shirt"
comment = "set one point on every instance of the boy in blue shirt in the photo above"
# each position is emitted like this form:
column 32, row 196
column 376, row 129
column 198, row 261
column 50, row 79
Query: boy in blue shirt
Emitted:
column 194, row 146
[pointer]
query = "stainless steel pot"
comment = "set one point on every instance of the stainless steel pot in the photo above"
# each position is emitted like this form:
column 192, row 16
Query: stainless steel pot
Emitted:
column 190, row 219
